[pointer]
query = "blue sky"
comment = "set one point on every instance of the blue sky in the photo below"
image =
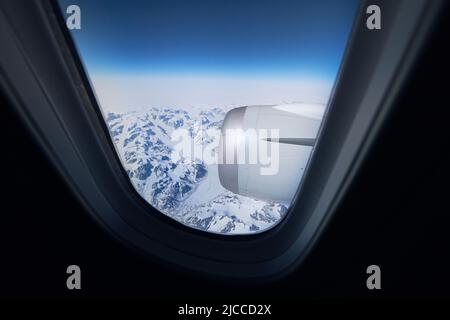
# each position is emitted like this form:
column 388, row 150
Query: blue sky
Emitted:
column 192, row 39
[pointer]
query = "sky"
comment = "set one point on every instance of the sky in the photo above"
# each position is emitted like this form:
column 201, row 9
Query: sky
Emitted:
column 211, row 52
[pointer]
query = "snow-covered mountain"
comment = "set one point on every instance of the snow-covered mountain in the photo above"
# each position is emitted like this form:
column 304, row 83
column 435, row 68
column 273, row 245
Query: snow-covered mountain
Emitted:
column 188, row 190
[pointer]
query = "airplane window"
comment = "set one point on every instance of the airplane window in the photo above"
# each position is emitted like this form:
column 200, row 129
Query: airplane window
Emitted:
column 214, row 107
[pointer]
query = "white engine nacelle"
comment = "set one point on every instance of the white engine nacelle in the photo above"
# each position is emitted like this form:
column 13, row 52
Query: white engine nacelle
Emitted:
column 278, row 180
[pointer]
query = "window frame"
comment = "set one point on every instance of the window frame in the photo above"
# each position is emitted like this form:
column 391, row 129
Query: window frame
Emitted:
column 43, row 77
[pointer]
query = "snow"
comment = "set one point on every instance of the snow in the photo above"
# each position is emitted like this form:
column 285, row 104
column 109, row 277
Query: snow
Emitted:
column 187, row 190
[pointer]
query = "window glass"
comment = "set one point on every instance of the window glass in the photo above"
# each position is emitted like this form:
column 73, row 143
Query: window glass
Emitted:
column 214, row 107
